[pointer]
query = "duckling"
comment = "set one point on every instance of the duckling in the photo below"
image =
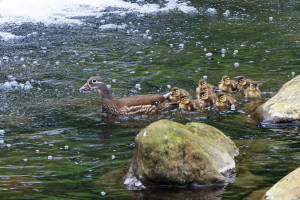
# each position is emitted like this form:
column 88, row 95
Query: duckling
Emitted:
column 202, row 83
column 227, row 84
column 242, row 83
column 189, row 104
column 252, row 91
column 225, row 100
column 177, row 93
column 207, row 99
column 140, row 104
column 205, row 89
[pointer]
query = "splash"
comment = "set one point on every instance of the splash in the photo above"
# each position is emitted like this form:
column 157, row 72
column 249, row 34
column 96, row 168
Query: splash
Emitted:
column 72, row 11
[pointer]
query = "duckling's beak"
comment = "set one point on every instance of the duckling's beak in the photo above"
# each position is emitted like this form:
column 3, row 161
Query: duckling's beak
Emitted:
column 85, row 87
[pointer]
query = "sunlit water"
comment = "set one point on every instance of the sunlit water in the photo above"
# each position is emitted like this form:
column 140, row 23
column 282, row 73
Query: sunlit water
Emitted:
column 54, row 142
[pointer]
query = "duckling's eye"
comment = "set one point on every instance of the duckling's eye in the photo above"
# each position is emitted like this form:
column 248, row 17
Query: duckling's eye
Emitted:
column 94, row 80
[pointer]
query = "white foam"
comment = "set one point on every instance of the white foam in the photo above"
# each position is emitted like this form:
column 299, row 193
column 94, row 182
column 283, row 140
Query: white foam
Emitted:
column 112, row 26
column 66, row 11
column 211, row 11
column 8, row 36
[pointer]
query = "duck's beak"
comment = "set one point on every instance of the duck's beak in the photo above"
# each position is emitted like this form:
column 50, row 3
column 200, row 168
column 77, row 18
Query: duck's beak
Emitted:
column 85, row 87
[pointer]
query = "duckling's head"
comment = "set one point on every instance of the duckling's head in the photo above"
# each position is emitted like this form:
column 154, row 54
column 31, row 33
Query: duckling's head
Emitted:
column 203, row 95
column 225, row 80
column 221, row 97
column 241, row 80
column 202, row 83
column 95, row 82
column 184, row 100
column 253, row 85
column 175, row 91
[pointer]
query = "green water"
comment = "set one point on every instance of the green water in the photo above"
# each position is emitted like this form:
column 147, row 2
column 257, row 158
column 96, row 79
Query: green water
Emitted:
column 57, row 144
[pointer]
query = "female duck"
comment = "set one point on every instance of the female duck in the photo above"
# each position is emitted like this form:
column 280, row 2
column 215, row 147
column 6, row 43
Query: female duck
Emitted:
column 140, row 104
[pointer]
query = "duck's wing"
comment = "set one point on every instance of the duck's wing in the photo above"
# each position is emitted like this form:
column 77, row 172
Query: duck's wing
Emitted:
column 148, row 99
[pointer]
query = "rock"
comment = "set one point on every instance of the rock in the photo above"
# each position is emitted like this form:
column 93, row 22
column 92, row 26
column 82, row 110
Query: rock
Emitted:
column 169, row 153
column 284, row 106
column 287, row 188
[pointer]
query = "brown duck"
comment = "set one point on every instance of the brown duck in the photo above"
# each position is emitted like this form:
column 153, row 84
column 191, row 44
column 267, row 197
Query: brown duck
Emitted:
column 227, row 84
column 202, row 83
column 177, row 93
column 140, row 104
column 189, row 104
column 207, row 100
column 205, row 89
column 243, row 83
column 253, row 91
column 225, row 101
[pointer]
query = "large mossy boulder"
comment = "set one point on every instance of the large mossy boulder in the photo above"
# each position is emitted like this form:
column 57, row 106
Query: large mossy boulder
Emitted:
column 169, row 153
column 284, row 106
column 287, row 188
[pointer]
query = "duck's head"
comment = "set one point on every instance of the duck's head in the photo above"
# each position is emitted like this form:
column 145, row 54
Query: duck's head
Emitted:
column 184, row 100
column 202, row 83
column 203, row 95
column 175, row 91
column 253, row 85
column 225, row 80
column 241, row 80
column 221, row 97
column 95, row 82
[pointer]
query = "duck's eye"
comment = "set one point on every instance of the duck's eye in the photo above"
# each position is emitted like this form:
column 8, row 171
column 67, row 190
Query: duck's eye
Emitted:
column 94, row 80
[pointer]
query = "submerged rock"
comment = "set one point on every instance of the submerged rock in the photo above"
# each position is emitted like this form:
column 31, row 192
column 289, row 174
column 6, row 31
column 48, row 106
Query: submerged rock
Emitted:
column 169, row 153
column 284, row 106
column 287, row 188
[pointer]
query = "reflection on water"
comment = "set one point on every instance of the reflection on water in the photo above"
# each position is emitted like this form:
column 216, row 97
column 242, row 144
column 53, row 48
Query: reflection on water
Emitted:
column 54, row 142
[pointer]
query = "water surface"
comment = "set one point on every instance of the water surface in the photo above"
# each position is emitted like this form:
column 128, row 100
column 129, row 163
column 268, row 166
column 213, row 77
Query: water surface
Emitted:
column 54, row 141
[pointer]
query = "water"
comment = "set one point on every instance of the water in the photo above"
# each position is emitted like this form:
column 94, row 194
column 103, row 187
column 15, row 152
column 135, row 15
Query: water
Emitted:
column 54, row 142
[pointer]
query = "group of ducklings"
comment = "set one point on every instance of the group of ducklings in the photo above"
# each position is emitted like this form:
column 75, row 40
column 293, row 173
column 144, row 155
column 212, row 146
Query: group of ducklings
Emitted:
column 206, row 96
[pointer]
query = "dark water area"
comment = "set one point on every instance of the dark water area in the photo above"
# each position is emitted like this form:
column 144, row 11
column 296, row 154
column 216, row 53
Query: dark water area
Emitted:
column 56, row 144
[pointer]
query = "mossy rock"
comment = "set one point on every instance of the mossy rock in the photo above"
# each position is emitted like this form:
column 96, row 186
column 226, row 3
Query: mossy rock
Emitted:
column 169, row 153
column 287, row 188
column 284, row 106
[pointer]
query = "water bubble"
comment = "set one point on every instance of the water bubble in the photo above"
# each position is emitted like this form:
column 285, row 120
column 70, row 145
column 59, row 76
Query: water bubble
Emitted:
column 1, row 141
column 66, row 147
column 209, row 54
column 235, row 51
column 25, row 159
column 50, row 157
column 236, row 64
column 57, row 62
column 232, row 107
column 293, row 73
column 223, row 50
column 138, row 86
column 169, row 86
column 223, row 55
column 103, row 193
column 205, row 49
column 226, row 13
column 113, row 157
column 8, row 145
column 22, row 59
column 108, row 86
column 205, row 77
column 181, row 45
column 5, row 58
column 37, row 151
column 2, row 132
column 211, row 11
column 132, row 72
column 171, row 45
column 270, row 19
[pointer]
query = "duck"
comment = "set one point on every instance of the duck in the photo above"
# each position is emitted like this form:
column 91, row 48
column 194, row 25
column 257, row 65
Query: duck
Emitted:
column 252, row 91
column 205, row 89
column 202, row 83
column 133, row 105
column 207, row 100
column 189, row 104
column 177, row 93
column 243, row 83
column 225, row 100
column 227, row 84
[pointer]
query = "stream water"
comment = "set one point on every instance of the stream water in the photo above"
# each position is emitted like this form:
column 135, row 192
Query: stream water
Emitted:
column 54, row 141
